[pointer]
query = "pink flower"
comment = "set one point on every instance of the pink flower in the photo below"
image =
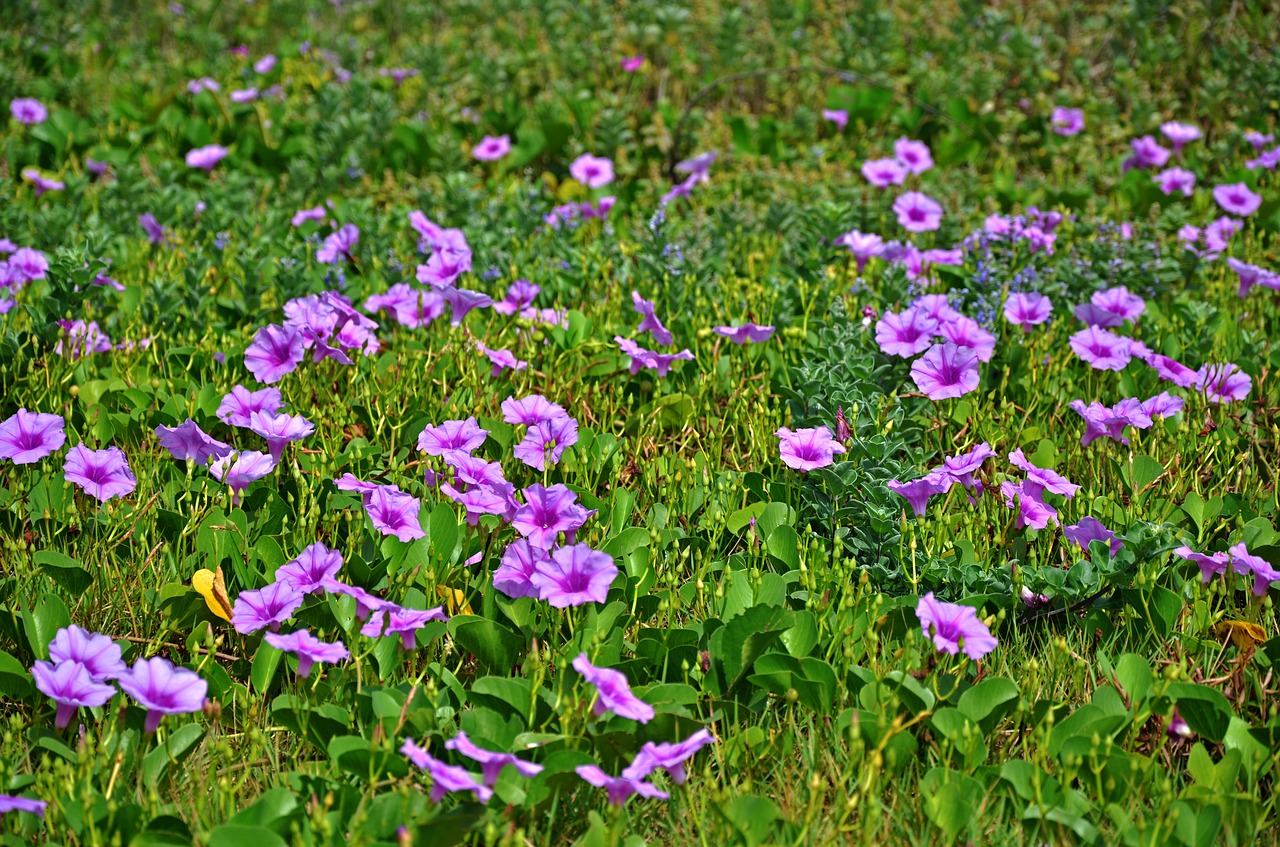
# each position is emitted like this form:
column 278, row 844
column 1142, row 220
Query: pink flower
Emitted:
column 884, row 172
column 945, row 371
column 914, row 155
column 1237, row 199
column 592, row 171
column 839, row 117
column 631, row 64
column 1179, row 134
column 1026, row 310
column 905, row 334
column 492, row 148
column 807, row 449
column 917, row 212
column 205, row 158
column 953, row 628
column 1067, row 121
column 1175, row 179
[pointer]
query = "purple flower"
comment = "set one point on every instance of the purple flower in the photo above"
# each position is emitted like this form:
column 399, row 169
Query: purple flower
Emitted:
column 461, row 301
column 952, row 627
column 492, row 148
column 365, row 602
column 1173, row 371
column 269, row 606
column 394, row 513
column 918, row 491
column 620, row 788
column 163, row 689
column 102, row 474
column 206, row 158
column 279, row 430
column 862, row 245
column 642, row 358
column 204, row 83
column 631, row 64
column 574, row 575
column 591, row 171
column 70, row 685
column 917, row 212
column 905, row 334
column 1040, row 480
column 1032, row 510
column 520, row 296
column 530, row 410
column 1026, row 310
column 547, row 512
column 28, row 110
column 414, row 309
column 1179, row 134
column 189, row 441
column 946, row 370
column 41, row 182
column 28, row 264
column 483, row 500
column 465, row 435
column 699, row 167
column 967, row 333
column 237, row 470
column 491, row 764
column 275, row 351
column 98, row 653
column 501, row 360
column 1175, row 179
column 1067, row 121
column 1147, row 153
column 669, row 757
column 1102, row 421
column 1223, row 383
column 1119, row 302
column 309, row 649
column 445, row 778
column 1163, row 405
column 962, row 467
column 9, row 803
column 514, row 577
column 1243, row 562
column 807, row 449
column 338, row 244
column 614, row 692
column 245, row 95
column 28, row 437
column 883, row 173
column 839, row 117
column 649, row 322
column 156, row 234
column 265, row 65
column 309, row 572
column 914, row 155
column 1237, row 199
column 402, row 622
column 1209, row 565
column 1257, row 140
column 1251, row 275
column 1103, row 350
column 237, row 407
column 83, row 339
column 547, row 441
column 1089, row 530
column 317, row 213
column 745, row 334
column 1268, row 159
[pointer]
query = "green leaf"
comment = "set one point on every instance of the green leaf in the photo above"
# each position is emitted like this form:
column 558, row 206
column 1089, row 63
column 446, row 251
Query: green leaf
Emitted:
column 164, row 831
column 753, row 817
column 988, row 702
column 15, row 680
column 269, row 810
column 234, row 835
column 176, row 747
column 1134, row 675
column 358, row 756
column 495, row 646
column 69, row 574
column 1143, row 472
column 43, row 622
column 744, row 639
column 1205, row 709
column 265, row 663
column 951, row 799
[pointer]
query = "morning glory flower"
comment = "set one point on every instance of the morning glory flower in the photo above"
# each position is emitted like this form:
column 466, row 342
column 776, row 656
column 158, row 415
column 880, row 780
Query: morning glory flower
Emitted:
column 839, row 117
column 1102, row 421
column 41, row 182
column 1243, row 562
column 905, row 334
column 1026, row 310
column 807, row 449
column 1067, row 121
column 917, row 212
column 394, row 513
column 269, row 607
column 275, row 351
column 206, row 158
column 1251, row 275
column 366, row 603
column 309, row 572
column 491, row 764
column 402, row 622
column 1209, row 564
column 28, row 110
column 967, row 333
column 188, row 441
column 1237, row 199
column 953, row 627
column 70, row 686
column 547, row 512
column 963, row 466
column 237, row 470
column 465, row 435
column 1223, row 383
column 1091, row 529
column 445, row 777
column 338, row 244
column 238, row 407
column 98, row 653
column 1173, row 180
column 103, row 474
column 862, row 245
column 514, row 577
column 883, row 173
column 914, row 155
column 574, row 575
column 945, row 371
column 649, row 322
column 492, row 148
column 669, row 757
column 279, row 430
column 614, row 693
column 546, row 442
column 748, row 333
column 918, row 491
column 309, row 649
column 1179, row 134
column 699, row 167
column 531, row 410
column 620, row 788
column 1101, row 349
column 163, row 689
column 1163, row 405
column 10, row 803
column 1147, row 153
column 592, row 171
column 28, row 264
column 27, row 437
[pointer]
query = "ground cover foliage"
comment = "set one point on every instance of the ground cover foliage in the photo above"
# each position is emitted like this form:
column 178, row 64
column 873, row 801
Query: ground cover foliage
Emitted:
column 648, row 417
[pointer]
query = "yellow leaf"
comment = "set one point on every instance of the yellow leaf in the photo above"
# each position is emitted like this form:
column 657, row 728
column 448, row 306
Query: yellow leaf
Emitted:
column 211, row 586
column 454, row 600
column 1243, row 634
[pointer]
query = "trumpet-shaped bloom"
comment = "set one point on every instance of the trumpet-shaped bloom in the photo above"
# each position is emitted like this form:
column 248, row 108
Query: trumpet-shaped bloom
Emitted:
column 410, row 308
column 914, row 155
column 1251, row 275
column 1163, row 405
column 275, row 351
column 953, row 628
column 366, row 603
column 237, row 470
column 237, row 407
column 748, row 333
column 1067, row 121
column 862, row 245
column 1209, row 564
column 1040, row 480
column 614, row 693
column 575, row 575
column 309, row 572
column 1244, row 562
column 839, row 117
column 917, row 212
column 592, row 171
column 1027, row 499
column 918, row 491
column 96, row 652
column 82, row 339
column 1091, row 529
column 1172, row 370
column 188, row 441
column 807, row 449
column 1174, row 180
column 669, row 757
column 649, row 321
column 1147, row 153
column 279, row 430
column 395, row 513
column 1179, row 134
column 965, row 332
column 465, row 435
column 520, row 296
column 10, row 803
column 268, row 607
column 309, row 649
column 946, row 370
column 338, row 244
column 962, row 467
column 1101, row 349
column 28, row 110
column 531, row 410
column 445, row 777
column 1026, row 310
column 102, row 474
column 547, row 512
column 402, row 622
column 883, row 173
column 1110, row 422
column 206, row 158
column 491, row 763
column 699, row 167
column 27, row 437
column 462, row 301
column 906, row 334
column 514, row 577
column 501, row 360
column 1237, row 199
column 620, row 788
column 1223, row 383
column 1119, row 302
column 71, row 686
column 163, row 689
column 546, row 441
column 492, row 148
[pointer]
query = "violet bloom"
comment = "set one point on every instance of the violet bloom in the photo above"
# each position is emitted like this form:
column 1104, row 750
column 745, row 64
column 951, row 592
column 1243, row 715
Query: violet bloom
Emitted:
column 1162, row 405
column 309, row 649
column 1040, row 480
column 413, row 309
column 1102, row 421
column 465, row 435
column 1067, row 121
column 520, row 296
column 592, row 171
column 883, row 173
column 649, row 322
column 279, row 430
column 275, row 351
column 1026, row 310
column 395, row 513
column 1237, row 199
column 27, row 265
column 1251, row 275
column 265, row 65
column 1173, row 370
column 1147, row 153
column 546, row 442
column 1089, row 530
column 839, row 117
column 338, row 244
column 862, row 245
column 1103, row 350
column 1032, row 510
column 204, row 83
column 41, row 182
column 308, row 573
column 699, row 167
column 619, row 788
column 269, row 606
column 237, row 407
column 492, row 148
column 237, row 470
column 482, row 500
column 807, row 449
column 27, row 437
column 206, row 158
column 70, row 685
column 10, row 803
column 102, row 474
column 189, row 441
column 245, row 95
column 1223, row 383
column 574, row 575
column 963, row 466
column 614, row 693
column 905, row 334
column 462, row 301
column 946, row 370
column 317, row 213
column 1090, row 314
column 967, row 333
column 365, row 602
column 547, row 512
column 1268, row 159
column 914, row 155
column 28, row 110
column 1173, row 180
column 953, row 627
column 918, row 491
column 1257, row 140
column 156, row 234
column 163, row 689
column 514, row 577
column 491, row 763
column 1179, row 134
column 402, row 622
column 669, row 757
column 82, row 339
column 1209, row 564
column 530, row 410
column 748, row 333
column 917, row 212
column 631, row 64
column 1119, row 302
column 1243, row 562
column 98, row 653
column 445, row 778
